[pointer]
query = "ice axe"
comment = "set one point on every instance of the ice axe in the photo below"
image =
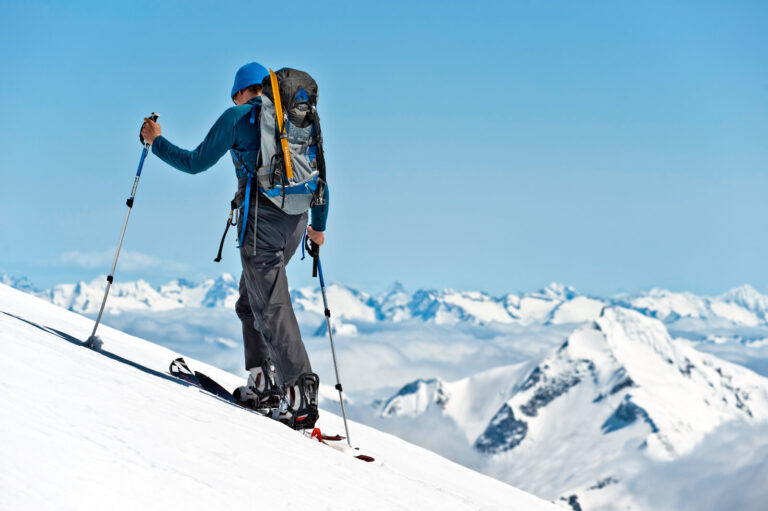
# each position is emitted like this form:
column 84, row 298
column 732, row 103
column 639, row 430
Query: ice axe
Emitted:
column 93, row 341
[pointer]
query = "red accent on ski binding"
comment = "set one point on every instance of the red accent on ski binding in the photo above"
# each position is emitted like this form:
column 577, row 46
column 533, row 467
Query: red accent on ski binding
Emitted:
column 316, row 433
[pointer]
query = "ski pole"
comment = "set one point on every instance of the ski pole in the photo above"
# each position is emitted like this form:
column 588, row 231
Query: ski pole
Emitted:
column 317, row 271
column 93, row 341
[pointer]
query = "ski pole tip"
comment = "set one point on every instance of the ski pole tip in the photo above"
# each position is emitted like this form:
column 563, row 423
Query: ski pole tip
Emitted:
column 94, row 343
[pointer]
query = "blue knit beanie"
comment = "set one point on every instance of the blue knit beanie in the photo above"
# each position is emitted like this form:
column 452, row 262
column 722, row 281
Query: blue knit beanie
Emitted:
column 249, row 74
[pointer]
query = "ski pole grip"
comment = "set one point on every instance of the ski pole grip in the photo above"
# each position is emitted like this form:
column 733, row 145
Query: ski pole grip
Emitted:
column 314, row 250
column 315, row 257
column 154, row 116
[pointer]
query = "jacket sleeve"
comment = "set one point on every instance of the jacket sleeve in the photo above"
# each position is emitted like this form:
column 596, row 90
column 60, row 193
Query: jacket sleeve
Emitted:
column 320, row 213
column 219, row 140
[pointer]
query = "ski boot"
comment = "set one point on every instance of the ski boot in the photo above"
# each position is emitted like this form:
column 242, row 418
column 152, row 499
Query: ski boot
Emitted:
column 261, row 393
column 298, row 408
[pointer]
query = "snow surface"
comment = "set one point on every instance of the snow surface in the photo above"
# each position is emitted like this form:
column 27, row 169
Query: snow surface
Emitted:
column 110, row 430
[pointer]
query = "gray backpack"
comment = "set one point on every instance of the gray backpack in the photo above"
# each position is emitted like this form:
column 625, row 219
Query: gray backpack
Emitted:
column 292, row 165
column 290, row 162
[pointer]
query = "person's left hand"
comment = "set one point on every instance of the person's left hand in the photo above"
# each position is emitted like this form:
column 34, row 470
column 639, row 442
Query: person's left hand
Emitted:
column 317, row 236
column 150, row 130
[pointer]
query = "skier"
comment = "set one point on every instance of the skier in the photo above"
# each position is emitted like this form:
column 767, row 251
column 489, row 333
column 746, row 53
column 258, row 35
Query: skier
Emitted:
column 280, row 376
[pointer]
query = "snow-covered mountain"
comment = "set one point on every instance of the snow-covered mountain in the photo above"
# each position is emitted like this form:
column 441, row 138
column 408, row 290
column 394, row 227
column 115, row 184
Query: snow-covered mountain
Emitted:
column 112, row 430
column 625, row 370
column 555, row 304
column 85, row 298
column 616, row 397
column 742, row 305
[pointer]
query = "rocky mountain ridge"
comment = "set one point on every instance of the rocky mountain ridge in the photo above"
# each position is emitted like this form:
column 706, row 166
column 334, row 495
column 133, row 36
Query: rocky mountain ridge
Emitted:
column 619, row 388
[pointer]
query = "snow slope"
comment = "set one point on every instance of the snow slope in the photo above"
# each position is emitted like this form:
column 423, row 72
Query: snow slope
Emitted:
column 88, row 430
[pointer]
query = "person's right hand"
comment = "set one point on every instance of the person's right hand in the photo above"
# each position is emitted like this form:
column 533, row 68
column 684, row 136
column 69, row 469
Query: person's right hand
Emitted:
column 150, row 130
column 317, row 236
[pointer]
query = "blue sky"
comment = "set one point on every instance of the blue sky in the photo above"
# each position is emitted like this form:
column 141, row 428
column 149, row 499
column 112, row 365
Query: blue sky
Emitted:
column 612, row 146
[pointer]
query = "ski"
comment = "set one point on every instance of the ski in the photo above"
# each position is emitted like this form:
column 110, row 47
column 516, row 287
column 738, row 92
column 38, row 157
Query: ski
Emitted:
column 208, row 385
column 316, row 434
column 333, row 438
column 181, row 370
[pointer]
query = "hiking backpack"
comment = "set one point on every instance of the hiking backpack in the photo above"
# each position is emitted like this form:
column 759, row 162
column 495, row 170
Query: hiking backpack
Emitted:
column 290, row 164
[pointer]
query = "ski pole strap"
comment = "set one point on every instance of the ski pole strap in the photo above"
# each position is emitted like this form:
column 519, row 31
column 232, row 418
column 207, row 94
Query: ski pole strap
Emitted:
column 226, row 229
column 246, row 203
column 314, row 251
column 319, row 143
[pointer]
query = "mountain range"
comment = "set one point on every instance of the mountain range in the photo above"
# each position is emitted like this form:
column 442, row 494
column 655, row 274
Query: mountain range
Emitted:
column 554, row 304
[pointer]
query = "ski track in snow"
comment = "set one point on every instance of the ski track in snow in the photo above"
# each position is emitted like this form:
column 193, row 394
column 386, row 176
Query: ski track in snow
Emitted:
column 82, row 430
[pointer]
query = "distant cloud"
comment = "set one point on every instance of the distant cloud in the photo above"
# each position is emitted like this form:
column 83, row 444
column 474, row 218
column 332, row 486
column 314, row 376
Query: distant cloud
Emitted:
column 129, row 260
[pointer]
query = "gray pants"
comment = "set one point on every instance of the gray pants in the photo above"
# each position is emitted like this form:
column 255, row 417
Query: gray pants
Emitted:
column 270, row 329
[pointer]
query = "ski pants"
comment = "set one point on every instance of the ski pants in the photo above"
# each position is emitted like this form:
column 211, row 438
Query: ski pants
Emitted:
column 270, row 329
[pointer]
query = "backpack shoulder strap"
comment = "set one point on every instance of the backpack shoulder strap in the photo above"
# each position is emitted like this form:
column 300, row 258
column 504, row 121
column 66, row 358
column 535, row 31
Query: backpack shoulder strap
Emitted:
column 319, row 140
column 255, row 111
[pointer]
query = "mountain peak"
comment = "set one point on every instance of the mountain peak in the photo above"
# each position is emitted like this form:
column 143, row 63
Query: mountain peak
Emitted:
column 226, row 277
column 395, row 288
column 556, row 290
column 20, row 283
column 744, row 290
column 416, row 398
column 749, row 298
column 622, row 368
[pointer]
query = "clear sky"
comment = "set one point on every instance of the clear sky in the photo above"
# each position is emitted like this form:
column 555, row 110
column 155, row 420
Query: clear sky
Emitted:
column 498, row 146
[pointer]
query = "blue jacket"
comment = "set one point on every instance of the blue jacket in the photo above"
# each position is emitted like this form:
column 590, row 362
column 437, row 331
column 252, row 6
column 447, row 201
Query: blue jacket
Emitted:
column 233, row 130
